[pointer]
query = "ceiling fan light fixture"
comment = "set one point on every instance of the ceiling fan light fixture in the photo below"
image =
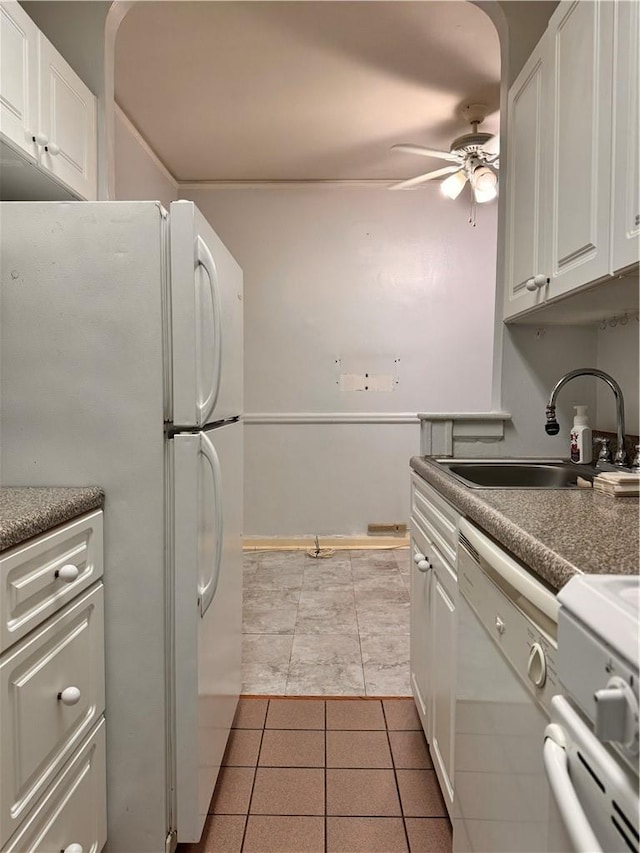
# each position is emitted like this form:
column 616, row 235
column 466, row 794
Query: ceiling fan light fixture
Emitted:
column 485, row 184
column 454, row 184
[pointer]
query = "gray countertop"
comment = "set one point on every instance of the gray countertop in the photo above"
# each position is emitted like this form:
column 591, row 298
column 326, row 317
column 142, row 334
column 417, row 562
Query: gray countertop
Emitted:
column 556, row 532
column 30, row 511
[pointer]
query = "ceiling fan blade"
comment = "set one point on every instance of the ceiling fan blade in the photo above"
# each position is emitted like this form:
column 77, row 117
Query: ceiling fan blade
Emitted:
column 492, row 146
column 420, row 179
column 427, row 152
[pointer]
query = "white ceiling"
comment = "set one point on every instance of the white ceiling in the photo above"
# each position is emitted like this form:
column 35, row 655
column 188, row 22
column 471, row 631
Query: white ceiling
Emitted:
column 250, row 91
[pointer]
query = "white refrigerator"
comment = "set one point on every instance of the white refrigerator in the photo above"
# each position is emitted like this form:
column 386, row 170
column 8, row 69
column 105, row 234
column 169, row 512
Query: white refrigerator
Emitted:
column 121, row 366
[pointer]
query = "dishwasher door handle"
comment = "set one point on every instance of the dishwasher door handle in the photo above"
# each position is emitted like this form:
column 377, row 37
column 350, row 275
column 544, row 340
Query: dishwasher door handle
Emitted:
column 556, row 766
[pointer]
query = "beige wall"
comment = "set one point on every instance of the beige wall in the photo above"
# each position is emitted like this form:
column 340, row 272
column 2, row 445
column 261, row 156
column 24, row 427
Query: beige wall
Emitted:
column 139, row 174
column 384, row 283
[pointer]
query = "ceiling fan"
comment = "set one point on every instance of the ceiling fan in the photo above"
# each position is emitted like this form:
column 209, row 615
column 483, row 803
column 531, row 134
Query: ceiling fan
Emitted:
column 475, row 157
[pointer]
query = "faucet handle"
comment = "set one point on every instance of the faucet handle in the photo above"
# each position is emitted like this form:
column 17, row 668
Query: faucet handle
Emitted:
column 605, row 450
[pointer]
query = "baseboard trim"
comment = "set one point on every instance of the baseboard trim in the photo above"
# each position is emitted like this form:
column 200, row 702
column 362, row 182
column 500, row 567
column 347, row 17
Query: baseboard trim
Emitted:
column 339, row 543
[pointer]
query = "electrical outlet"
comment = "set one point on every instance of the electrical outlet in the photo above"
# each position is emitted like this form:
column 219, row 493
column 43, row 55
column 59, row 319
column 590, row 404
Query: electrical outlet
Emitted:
column 399, row 529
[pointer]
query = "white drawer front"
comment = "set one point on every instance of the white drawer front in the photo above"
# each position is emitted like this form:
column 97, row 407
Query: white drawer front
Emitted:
column 32, row 585
column 73, row 810
column 39, row 731
column 437, row 515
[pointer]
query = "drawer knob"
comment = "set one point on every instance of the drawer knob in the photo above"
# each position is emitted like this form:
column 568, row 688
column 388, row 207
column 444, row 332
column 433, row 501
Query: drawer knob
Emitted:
column 73, row 848
column 424, row 565
column 69, row 696
column 418, row 558
column 68, row 573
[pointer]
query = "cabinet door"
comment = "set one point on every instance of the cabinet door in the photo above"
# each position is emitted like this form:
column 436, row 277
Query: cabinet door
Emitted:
column 443, row 673
column 68, row 122
column 525, row 185
column 18, row 78
column 419, row 631
column 579, row 135
column 626, row 141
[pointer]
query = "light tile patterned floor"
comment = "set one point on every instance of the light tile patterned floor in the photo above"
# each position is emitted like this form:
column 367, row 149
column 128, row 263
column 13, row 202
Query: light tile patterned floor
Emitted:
column 335, row 627
column 341, row 776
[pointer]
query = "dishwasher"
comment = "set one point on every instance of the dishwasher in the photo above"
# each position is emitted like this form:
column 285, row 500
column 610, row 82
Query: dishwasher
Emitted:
column 507, row 630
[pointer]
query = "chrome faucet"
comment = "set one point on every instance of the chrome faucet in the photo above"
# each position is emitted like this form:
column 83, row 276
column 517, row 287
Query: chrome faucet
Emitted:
column 552, row 426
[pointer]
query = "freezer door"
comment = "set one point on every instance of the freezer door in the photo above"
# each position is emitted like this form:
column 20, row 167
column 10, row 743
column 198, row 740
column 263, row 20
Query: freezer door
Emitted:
column 206, row 323
column 207, row 477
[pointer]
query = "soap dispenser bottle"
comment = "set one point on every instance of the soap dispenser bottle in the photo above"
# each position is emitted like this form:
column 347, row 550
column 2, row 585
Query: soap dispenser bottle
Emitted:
column 581, row 441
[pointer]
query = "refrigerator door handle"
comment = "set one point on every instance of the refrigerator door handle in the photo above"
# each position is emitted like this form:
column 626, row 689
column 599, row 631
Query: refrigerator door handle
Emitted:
column 206, row 406
column 207, row 591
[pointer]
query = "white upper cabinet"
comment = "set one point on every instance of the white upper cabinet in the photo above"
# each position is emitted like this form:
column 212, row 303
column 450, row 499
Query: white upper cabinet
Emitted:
column 572, row 161
column 626, row 174
column 579, row 133
column 46, row 111
column 525, row 187
column 18, row 78
column 67, row 123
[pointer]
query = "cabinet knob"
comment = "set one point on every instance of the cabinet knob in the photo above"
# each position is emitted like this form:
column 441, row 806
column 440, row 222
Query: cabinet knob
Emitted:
column 417, row 558
column 74, row 848
column 52, row 148
column 537, row 281
column 41, row 139
column 424, row 565
column 68, row 573
column 69, row 696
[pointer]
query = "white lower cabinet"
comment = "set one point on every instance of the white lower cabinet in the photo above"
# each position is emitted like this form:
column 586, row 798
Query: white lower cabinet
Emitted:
column 52, row 694
column 73, row 810
column 434, row 593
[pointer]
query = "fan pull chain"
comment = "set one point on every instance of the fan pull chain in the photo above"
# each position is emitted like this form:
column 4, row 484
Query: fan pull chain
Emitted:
column 472, row 211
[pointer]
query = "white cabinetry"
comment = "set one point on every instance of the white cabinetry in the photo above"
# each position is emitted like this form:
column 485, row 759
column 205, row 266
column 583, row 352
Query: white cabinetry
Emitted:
column 571, row 126
column 626, row 156
column 46, row 111
column 52, row 701
column 580, row 38
column 434, row 592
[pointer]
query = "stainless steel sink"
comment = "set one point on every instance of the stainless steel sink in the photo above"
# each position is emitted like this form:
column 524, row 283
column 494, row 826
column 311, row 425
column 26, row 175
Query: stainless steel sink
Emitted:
column 517, row 474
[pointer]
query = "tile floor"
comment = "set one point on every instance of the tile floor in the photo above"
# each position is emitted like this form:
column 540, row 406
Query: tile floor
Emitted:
column 336, row 775
column 335, row 627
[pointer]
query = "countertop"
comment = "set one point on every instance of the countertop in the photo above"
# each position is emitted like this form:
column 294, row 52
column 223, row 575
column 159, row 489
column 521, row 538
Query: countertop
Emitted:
column 30, row 511
column 556, row 532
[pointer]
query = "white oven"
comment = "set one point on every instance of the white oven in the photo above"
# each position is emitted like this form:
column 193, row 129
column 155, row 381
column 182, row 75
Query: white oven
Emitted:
column 591, row 746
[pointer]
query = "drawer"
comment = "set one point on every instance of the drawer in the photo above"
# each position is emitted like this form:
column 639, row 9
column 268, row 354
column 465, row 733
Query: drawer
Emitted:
column 442, row 518
column 40, row 730
column 74, row 809
column 31, row 587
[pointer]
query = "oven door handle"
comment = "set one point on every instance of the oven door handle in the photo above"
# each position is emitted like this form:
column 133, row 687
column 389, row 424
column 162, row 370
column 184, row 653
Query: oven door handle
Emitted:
column 556, row 766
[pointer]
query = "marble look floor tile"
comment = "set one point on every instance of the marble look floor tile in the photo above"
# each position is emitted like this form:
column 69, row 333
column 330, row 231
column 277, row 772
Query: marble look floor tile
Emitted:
column 382, row 619
column 317, row 576
column 390, row 590
column 265, row 663
column 274, row 578
column 385, row 661
column 281, row 597
column 389, row 680
column 325, row 665
column 262, row 679
column 316, row 617
column 325, row 680
column 283, row 560
column 330, row 595
column 263, row 619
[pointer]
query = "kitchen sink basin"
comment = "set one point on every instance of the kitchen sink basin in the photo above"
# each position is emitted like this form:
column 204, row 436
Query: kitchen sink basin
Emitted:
column 517, row 474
